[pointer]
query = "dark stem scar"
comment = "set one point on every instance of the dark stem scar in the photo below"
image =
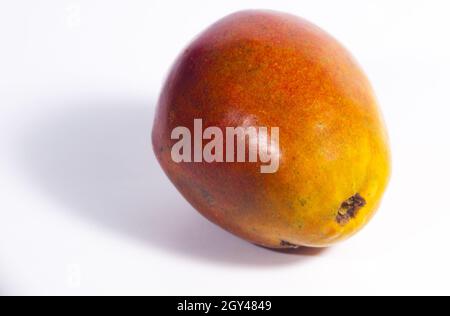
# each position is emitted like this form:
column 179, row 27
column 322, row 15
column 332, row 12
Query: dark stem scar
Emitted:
column 288, row 245
column 349, row 209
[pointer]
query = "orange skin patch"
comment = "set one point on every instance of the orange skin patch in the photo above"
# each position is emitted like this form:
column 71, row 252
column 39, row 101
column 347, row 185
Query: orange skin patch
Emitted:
column 277, row 70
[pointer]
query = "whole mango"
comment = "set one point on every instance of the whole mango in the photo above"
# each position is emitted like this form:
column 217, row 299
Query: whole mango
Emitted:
column 270, row 69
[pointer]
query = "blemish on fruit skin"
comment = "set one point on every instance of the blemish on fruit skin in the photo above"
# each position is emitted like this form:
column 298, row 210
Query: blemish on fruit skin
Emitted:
column 288, row 245
column 349, row 209
column 171, row 117
column 303, row 202
column 207, row 196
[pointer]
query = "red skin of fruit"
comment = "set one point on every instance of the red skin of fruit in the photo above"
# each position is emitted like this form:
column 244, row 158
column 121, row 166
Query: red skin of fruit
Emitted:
column 264, row 68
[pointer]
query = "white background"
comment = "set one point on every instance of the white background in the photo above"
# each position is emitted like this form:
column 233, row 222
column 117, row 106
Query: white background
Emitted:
column 85, row 209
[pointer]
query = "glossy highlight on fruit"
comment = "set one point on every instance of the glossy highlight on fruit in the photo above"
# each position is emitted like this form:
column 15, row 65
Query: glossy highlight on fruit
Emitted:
column 265, row 68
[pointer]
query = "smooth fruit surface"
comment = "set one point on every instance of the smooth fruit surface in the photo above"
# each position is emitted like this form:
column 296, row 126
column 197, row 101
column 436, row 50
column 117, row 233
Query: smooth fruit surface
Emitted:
column 264, row 68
